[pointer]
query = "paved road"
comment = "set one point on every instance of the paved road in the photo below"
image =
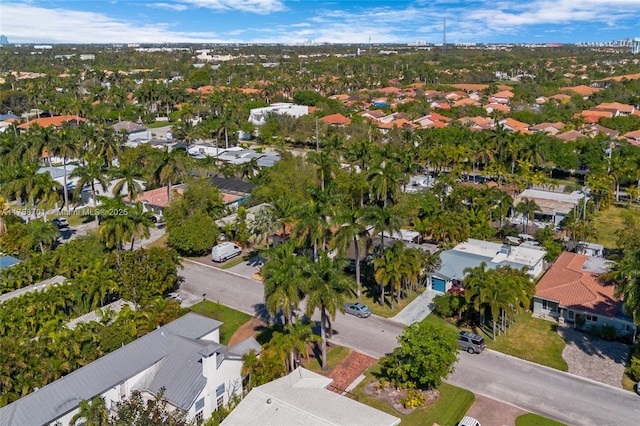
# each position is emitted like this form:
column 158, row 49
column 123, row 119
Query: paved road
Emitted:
column 567, row 398
column 570, row 399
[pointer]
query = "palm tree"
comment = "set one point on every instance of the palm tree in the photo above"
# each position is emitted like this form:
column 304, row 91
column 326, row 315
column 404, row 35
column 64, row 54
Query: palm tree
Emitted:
column 385, row 182
column 140, row 221
column 115, row 226
column 311, row 223
column 352, row 229
column 171, row 168
column 326, row 164
column 326, row 285
column 527, row 207
column 128, row 174
column 301, row 334
column 92, row 413
column 627, row 277
column 42, row 233
column 283, row 209
column 44, row 190
column 382, row 220
column 66, row 145
column 90, row 173
column 264, row 224
column 389, row 270
column 281, row 275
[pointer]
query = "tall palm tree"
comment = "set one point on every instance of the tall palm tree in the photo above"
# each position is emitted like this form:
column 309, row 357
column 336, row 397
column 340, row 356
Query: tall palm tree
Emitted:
column 311, row 223
column 352, row 229
column 326, row 285
column 43, row 234
column 90, row 173
column 140, row 222
column 281, row 275
column 67, row 145
column 382, row 220
column 128, row 174
column 283, row 209
column 527, row 207
column 627, row 277
column 327, row 165
column 171, row 168
column 44, row 190
column 115, row 226
column 384, row 180
column 389, row 269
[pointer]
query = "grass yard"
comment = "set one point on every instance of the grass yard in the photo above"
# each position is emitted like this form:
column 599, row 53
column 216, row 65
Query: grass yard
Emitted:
column 609, row 221
column 536, row 420
column 335, row 355
column 453, row 404
column 531, row 339
column 383, row 311
column 627, row 383
column 233, row 262
column 160, row 242
column 230, row 318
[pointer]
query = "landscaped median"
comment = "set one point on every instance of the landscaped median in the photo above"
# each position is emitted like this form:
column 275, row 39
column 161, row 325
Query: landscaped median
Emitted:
column 450, row 407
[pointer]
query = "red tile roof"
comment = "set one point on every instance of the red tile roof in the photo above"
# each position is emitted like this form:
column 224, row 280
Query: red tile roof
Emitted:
column 582, row 90
column 575, row 288
column 56, row 121
column 336, row 119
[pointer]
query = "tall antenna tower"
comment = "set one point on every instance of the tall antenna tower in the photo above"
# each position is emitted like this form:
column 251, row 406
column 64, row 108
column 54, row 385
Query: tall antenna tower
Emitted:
column 444, row 36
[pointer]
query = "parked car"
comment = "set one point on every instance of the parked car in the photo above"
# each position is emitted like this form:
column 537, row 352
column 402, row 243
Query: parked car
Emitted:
column 638, row 388
column 358, row 309
column 468, row 421
column 60, row 222
column 471, row 342
column 175, row 296
column 225, row 251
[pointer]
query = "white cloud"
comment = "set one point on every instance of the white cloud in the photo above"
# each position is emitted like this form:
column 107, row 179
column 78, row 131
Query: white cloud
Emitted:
column 171, row 6
column 261, row 7
column 28, row 24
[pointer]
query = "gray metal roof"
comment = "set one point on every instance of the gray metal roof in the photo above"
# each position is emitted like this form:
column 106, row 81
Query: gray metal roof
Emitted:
column 63, row 396
column 7, row 261
column 42, row 285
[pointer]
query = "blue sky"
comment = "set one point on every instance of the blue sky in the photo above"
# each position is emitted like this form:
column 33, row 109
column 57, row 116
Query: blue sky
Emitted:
column 297, row 21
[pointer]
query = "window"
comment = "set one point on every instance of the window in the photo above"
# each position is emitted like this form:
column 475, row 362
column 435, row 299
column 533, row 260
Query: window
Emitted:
column 220, row 390
column 547, row 305
column 199, row 417
column 219, row 402
column 200, row 404
column 592, row 318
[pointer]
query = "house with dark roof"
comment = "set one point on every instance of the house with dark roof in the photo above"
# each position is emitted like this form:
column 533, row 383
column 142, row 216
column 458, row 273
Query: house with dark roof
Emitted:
column 184, row 357
column 572, row 287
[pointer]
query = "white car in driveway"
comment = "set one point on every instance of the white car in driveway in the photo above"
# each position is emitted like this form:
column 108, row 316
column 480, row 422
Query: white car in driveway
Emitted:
column 175, row 296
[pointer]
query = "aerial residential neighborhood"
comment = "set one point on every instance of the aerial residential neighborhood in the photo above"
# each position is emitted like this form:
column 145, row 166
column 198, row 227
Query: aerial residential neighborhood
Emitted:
column 339, row 230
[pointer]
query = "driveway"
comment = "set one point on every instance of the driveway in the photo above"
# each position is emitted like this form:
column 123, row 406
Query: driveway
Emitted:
column 417, row 310
column 593, row 358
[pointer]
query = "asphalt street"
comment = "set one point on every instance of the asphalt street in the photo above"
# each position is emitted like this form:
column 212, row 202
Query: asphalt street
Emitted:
column 552, row 393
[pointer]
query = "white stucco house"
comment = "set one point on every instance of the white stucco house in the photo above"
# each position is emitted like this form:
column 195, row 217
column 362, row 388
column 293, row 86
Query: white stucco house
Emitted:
column 258, row 116
column 184, row 357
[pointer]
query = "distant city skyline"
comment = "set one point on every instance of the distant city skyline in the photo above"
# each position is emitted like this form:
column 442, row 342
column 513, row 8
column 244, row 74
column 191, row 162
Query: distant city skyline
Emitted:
column 304, row 21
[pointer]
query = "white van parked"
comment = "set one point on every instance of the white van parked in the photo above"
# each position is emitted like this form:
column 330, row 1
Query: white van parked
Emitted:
column 224, row 251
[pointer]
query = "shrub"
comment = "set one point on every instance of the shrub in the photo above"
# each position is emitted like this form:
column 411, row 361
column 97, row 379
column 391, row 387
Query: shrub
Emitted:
column 634, row 369
column 414, row 399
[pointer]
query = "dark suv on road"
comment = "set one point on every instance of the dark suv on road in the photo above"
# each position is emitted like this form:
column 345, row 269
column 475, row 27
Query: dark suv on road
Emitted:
column 470, row 342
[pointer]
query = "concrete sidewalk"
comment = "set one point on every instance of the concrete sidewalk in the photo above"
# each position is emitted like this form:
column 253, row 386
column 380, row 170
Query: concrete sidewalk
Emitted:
column 416, row 310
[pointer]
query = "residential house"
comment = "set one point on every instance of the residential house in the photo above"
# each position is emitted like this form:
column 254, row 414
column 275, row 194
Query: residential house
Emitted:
column 184, row 357
column 503, row 97
column 374, row 114
column 55, row 121
column 497, row 107
column 594, row 130
column 304, row 398
column 616, row 108
column 554, row 206
column 477, row 123
column 550, row 128
column 561, row 97
column 633, row 137
column 133, row 131
column 570, row 135
column 582, row 90
column 472, row 253
column 336, row 120
column 572, row 287
column 42, row 285
column 429, row 120
column 258, row 116
column 592, row 116
column 466, row 102
column 515, row 125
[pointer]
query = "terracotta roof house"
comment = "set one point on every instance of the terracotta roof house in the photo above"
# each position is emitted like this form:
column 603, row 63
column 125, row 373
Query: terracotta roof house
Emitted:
column 633, row 137
column 373, row 114
column 570, row 135
column 616, row 108
column 432, row 120
column 497, row 107
column 336, row 120
column 596, row 128
column 541, row 100
column 389, row 90
column 401, row 123
column 582, row 90
column 394, row 116
column 466, row 102
column 440, row 105
column 502, row 97
column 592, row 116
column 455, row 95
column 515, row 125
column 477, row 123
column 572, row 287
column 342, row 97
column 561, row 97
column 551, row 128
column 55, row 121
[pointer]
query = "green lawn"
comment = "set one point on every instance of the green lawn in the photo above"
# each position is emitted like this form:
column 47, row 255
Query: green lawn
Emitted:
column 453, row 404
column 609, row 221
column 627, row 383
column 536, row 420
column 156, row 124
column 230, row 318
column 233, row 262
column 383, row 311
column 532, row 339
column 335, row 355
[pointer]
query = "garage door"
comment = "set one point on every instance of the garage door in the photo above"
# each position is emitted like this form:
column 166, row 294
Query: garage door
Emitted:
column 438, row 284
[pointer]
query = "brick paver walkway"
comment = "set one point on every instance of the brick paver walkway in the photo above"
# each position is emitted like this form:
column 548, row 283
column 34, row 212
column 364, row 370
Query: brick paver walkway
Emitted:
column 350, row 368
